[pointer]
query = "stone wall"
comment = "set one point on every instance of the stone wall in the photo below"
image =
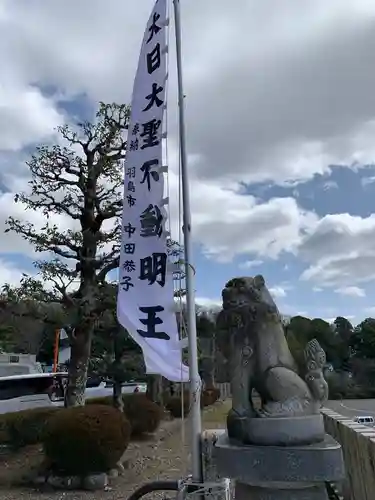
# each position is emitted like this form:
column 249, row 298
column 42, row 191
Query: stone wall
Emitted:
column 358, row 446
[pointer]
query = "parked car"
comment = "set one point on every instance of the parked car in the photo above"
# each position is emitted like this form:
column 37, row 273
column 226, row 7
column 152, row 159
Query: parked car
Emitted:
column 369, row 421
column 18, row 364
column 32, row 390
column 103, row 388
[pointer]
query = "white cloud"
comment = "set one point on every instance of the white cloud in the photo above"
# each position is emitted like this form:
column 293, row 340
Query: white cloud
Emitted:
column 246, row 226
column 296, row 117
column 25, row 115
column 228, row 222
column 367, row 181
column 277, row 291
column 329, row 320
column 10, row 273
column 313, row 126
column 336, row 233
column 330, row 185
column 340, row 250
column 288, row 310
column 208, row 302
column 12, row 242
column 317, row 289
column 249, row 264
column 332, row 318
column 342, row 270
column 351, row 291
column 282, row 95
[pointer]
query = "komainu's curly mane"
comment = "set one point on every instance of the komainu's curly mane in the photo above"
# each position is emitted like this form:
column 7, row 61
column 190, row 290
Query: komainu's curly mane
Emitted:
column 246, row 300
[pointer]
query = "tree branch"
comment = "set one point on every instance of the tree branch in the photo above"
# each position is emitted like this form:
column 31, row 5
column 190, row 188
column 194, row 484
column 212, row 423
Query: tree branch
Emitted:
column 114, row 264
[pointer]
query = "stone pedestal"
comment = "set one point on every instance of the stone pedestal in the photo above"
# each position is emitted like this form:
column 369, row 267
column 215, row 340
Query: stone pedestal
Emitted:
column 279, row 472
column 277, row 431
column 246, row 492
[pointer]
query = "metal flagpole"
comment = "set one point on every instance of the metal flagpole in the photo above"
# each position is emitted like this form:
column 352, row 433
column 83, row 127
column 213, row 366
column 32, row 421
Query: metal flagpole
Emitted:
column 195, row 381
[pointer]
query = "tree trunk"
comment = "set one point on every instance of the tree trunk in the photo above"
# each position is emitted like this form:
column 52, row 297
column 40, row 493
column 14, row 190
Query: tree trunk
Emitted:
column 117, row 386
column 166, row 387
column 206, row 372
column 117, row 396
column 78, row 365
column 87, row 293
column 155, row 389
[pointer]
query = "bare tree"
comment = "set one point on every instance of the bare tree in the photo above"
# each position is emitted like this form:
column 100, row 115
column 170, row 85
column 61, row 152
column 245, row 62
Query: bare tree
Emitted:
column 81, row 181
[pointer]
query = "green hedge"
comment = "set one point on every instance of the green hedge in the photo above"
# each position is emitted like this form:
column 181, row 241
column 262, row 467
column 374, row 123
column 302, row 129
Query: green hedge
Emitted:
column 24, row 427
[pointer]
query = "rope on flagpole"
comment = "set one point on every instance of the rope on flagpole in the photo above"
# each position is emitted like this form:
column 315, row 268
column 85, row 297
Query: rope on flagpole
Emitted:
column 182, row 324
column 196, row 388
column 178, row 285
column 179, row 280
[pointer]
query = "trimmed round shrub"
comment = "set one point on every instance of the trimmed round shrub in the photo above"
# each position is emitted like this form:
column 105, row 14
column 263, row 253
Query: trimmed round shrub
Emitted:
column 143, row 414
column 207, row 398
column 26, row 427
column 210, row 396
column 174, row 405
column 86, row 439
column 217, row 393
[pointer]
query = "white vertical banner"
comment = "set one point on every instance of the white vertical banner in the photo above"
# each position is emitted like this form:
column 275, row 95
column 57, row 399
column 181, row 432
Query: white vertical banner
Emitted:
column 63, row 352
column 145, row 302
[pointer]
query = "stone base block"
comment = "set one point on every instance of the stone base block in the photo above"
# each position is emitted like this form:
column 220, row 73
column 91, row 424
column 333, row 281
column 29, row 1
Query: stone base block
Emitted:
column 280, row 472
column 277, row 431
column 246, row 492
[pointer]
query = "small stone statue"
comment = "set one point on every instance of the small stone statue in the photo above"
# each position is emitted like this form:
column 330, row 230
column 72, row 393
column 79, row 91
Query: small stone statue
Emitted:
column 260, row 359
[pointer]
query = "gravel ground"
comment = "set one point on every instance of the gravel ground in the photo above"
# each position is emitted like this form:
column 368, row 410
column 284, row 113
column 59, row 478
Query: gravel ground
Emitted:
column 165, row 456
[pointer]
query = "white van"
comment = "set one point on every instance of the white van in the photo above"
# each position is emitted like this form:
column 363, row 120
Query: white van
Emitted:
column 18, row 364
column 35, row 390
column 369, row 421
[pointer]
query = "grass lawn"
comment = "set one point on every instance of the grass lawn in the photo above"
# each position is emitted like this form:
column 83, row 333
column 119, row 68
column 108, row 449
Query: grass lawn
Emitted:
column 216, row 416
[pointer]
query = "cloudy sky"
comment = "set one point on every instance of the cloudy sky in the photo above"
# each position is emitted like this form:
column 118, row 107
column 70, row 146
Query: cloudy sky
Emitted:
column 280, row 111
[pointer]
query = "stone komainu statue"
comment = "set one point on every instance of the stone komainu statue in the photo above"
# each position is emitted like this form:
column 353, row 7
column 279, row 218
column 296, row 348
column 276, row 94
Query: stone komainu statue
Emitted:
column 260, row 358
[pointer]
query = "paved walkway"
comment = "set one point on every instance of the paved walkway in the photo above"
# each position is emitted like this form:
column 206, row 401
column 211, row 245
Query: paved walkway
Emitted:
column 353, row 407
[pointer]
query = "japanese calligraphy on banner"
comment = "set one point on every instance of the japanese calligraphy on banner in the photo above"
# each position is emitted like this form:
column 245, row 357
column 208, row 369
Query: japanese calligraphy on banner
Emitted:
column 145, row 303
